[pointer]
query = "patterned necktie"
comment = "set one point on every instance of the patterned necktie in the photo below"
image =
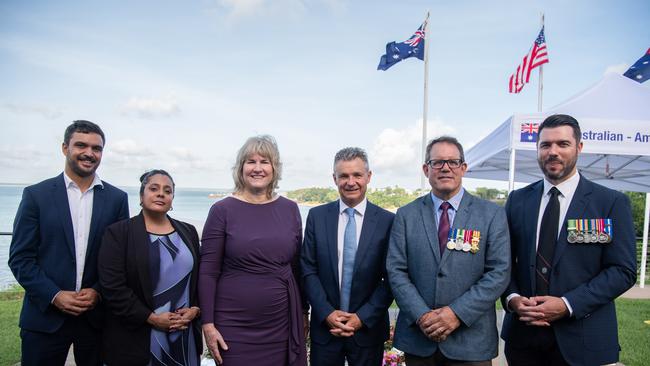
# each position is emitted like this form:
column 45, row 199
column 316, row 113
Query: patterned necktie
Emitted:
column 349, row 251
column 547, row 239
column 443, row 227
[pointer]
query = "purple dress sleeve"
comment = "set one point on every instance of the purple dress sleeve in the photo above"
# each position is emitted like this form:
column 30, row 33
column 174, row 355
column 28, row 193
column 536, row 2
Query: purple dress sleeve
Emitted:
column 212, row 253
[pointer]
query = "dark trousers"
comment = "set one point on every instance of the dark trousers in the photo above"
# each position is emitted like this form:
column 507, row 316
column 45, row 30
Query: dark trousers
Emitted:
column 538, row 347
column 438, row 359
column 338, row 350
column 52, row 348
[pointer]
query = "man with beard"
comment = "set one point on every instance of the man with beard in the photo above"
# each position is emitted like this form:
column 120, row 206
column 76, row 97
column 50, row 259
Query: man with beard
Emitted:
column 573, row 251
column 53, row 254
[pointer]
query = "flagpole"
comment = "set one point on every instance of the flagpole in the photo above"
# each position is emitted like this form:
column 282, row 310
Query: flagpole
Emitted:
column 426, row 95
column 541, row 81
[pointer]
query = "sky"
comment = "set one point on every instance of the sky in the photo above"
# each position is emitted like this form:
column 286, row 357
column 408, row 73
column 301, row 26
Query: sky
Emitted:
column 180, row 85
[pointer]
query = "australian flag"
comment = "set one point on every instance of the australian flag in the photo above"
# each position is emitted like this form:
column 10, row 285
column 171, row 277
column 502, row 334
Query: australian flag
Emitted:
column 397, row 51
column 640, row 71
column 529, row 132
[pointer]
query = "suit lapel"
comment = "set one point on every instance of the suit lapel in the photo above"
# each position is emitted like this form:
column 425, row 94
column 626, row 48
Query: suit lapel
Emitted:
column 576, row 210
column 60, row 195
column 332, row 226
column 430, row 225
column 530, row 215
column 99, row 200
column 140, row 240
column 367, row 230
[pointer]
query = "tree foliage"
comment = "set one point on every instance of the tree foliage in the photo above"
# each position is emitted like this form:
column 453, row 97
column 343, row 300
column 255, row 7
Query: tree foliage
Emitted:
column 637, row 200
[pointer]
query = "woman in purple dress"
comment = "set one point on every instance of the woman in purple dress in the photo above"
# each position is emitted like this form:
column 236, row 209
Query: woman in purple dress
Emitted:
column 252, row 312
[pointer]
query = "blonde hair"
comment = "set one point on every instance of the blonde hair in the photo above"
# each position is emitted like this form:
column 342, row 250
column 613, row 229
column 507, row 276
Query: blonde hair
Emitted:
column 265, row 146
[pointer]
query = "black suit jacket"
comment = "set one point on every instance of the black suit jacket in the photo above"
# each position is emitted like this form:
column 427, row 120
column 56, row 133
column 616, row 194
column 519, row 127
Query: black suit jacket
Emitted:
column 589, row 276
column 127, row 290
column 370, row 294
column 42, row 252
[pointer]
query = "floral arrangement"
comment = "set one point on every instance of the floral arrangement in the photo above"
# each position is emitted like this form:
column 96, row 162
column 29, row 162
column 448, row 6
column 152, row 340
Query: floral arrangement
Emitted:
column 392, row 356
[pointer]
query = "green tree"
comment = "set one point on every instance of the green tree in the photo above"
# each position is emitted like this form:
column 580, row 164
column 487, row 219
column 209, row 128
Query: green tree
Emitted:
column 637, row 200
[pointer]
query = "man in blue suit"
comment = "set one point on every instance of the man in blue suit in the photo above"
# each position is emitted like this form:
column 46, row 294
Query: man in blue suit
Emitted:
column 53, row 253
column 573, row 251
column 343, row 267
column 448, row 262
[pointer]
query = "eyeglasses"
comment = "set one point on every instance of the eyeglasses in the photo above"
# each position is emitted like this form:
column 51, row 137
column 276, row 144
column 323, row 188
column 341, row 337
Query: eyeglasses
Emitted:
column 451, row 163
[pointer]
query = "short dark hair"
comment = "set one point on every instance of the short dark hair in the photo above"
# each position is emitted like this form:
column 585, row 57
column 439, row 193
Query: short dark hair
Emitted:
column 144, row 178
column 447, row 139
column 82, row 126
column 351, row 153
column 558, row 120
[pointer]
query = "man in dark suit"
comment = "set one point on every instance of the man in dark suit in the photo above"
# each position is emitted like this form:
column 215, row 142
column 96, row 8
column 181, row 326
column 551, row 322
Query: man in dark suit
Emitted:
column 573, row 251
column 448, row 262
column 343, row 267
column 53, row 253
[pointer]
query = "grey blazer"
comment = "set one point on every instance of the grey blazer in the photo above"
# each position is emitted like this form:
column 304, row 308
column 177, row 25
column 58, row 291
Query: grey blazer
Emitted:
column 468, row 283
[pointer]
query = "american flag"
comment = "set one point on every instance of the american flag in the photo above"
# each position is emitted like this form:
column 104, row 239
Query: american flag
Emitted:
column 536, row 56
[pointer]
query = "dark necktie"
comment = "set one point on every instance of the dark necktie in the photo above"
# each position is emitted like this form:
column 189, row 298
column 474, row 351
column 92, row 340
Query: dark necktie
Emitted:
column 443, row 227
column 547, row 239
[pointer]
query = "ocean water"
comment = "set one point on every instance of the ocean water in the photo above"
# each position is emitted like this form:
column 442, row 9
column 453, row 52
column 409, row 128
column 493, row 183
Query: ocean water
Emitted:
column 190, row 205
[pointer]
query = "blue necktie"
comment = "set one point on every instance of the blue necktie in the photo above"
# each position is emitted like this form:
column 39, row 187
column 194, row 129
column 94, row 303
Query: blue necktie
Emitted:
column 349, row 251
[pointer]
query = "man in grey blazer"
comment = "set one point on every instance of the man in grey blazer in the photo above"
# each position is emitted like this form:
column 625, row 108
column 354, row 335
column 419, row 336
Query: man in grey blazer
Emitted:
column 448, row 261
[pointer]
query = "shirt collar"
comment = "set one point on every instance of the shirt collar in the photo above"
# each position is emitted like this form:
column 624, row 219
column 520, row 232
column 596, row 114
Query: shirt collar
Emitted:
column 453, row 201
column 70, row 183
column 360, row 208
column 566, row 188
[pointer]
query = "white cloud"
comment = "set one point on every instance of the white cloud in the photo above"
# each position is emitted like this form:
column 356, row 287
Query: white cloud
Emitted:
column 396, row 151
column 150, row 108
column 617, row 69
column 41, row 110
column 237, row 10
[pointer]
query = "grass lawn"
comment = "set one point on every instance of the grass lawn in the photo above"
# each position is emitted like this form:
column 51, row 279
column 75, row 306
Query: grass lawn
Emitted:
column 633, row 333
column 10, row 303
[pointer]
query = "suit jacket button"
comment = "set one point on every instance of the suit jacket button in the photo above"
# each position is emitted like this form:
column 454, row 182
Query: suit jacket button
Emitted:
column 441, row 274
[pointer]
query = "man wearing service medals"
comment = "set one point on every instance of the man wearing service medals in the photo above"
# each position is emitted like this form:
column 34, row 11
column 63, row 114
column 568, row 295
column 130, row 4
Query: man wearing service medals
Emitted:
column 448, row 261
column 573, row 251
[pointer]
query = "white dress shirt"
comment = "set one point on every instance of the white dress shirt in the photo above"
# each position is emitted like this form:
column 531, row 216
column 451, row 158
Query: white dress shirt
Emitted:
column 567, row 190
column 359, row 214
column 81, row 211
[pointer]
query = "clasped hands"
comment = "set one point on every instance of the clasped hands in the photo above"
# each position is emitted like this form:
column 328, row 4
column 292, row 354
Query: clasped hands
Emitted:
column 438, row 324
column 538, row 311
column 173, row 321
column 343, row 324
column 75, row 303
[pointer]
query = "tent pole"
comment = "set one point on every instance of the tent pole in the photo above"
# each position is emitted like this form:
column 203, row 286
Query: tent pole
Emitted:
column 644, row 248
column 511, row 171
column 425, row 107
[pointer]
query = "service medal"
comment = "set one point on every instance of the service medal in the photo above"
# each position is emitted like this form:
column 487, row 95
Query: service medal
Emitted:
column 466, row 247
column 459, row 243
column 571, row 228
column 571, row 238
column 451, row 245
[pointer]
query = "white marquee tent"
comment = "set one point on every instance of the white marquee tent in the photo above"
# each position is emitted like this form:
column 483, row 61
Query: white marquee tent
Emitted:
column 614, row 117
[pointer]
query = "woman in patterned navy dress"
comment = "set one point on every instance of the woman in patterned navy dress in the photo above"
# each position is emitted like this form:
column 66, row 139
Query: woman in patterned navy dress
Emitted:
column 252, row 312
column 148, row 270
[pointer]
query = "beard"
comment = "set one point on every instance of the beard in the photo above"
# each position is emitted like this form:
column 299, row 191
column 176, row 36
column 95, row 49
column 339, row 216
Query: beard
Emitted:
column 559, row 175
column 74, row 164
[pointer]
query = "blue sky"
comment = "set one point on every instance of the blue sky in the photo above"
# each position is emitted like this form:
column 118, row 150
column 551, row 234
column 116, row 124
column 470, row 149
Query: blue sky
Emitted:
column 181, row 85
